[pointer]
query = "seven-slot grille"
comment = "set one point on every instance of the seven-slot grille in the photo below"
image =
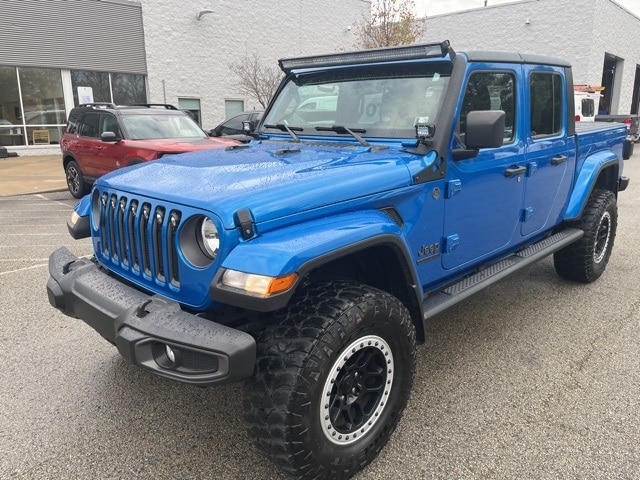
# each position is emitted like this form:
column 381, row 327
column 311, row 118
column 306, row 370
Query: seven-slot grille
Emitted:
column 140, row 236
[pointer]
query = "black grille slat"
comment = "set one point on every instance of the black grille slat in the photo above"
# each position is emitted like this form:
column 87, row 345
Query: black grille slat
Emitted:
column 133, row 237
column 158, row 250
column 172, row 253
column 104, row 231
column 123, row 245
column 144, row 239
column 111, row 219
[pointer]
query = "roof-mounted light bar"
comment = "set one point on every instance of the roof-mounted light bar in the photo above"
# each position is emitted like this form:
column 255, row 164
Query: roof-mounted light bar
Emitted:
column 380, row 55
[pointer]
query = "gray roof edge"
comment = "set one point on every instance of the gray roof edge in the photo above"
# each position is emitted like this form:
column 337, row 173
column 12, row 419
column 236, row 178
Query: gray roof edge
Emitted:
column 511, row 57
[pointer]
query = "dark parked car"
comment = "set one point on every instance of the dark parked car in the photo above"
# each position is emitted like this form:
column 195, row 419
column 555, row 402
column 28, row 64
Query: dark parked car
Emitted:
column 101, row 137
column 631, row 121
column 232, row 127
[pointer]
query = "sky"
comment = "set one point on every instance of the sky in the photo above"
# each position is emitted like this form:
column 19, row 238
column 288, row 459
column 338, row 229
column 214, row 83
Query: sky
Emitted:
column 436, row 7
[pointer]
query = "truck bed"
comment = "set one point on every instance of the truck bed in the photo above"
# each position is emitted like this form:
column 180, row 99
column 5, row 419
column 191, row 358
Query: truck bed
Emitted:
column 592, row 137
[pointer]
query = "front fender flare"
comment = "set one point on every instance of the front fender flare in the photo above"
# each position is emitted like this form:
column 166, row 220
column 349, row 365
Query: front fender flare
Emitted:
column 79, row 226
column 300, row 248
column 586, row 181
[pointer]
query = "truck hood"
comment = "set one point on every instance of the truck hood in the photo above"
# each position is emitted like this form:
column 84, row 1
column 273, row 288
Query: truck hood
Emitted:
column 271, row 180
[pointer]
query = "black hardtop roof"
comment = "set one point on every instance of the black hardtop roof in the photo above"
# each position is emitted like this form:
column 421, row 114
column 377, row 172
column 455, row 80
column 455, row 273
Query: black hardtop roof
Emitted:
column 513, row 57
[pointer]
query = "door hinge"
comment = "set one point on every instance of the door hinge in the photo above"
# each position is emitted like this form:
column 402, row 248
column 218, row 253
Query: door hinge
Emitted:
column 451, row 242
column 532, row 167
column 453, row 188
column 526, row 214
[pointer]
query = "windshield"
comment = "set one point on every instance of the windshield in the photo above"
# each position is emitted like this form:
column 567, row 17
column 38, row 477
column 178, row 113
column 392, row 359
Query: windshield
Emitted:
column 146, row 127
column 376, row 101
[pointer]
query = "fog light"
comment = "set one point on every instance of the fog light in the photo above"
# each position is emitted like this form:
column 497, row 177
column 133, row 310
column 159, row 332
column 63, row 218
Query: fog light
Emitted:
column 170, row 353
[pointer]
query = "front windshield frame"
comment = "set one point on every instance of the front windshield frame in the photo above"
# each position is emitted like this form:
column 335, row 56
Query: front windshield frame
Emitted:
column 379, row 101
column 156, row 126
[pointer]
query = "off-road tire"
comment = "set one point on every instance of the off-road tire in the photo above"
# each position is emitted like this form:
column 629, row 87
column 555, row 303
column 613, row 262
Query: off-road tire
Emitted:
column 75, row 181
column 333, row 336
column 585, row 260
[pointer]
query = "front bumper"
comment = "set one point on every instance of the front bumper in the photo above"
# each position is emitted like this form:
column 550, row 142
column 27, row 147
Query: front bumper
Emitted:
column 142, row 326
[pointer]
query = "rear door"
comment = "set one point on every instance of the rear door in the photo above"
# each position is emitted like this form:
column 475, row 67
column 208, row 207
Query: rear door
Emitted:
column 88, row 142
column 551, row 150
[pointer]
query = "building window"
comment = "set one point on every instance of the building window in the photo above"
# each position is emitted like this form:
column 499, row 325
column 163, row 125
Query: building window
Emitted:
column 546, row 104
column 98, row 87
column 43, row 105
column 11, row 132
column 192, row 107
column 233, row 107
column 39, row 117
column 98, row 82
column 128, row 88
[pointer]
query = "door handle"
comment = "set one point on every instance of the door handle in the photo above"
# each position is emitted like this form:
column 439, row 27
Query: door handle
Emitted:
column 558, row 160
column 514, row 171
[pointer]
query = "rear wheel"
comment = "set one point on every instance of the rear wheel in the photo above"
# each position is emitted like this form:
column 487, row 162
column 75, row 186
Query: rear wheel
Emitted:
column 75, row 181
column 585, row 260
column 333, row 376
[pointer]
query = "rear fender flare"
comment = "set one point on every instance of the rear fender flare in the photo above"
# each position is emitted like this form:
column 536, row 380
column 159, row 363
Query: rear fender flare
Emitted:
column 587, row 179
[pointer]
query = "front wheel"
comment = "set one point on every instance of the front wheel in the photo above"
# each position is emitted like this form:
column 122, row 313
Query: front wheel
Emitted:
column 585, row 260
column 75, row 181
column 333, row 375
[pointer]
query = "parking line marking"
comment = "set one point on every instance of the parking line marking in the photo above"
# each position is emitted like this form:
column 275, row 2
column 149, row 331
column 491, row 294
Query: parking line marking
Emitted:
column 31, row 267
column 55, row 201
column 23, row 269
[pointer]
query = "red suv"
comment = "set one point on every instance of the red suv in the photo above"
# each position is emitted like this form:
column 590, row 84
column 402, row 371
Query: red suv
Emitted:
column 101, row 137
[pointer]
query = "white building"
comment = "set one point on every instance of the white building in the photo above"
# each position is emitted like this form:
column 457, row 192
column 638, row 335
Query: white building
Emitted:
column 598, row 37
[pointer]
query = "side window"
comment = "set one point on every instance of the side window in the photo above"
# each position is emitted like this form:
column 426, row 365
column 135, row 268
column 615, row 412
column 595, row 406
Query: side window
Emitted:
column 546, row 103
column 233, row 126
column 490, row 91
column 108, row 123
column 588, row 107
column 89, row 125
column 72, row 124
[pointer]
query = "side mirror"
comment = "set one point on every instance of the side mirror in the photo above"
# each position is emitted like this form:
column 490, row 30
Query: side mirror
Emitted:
column 485, row 129
column 109, row 137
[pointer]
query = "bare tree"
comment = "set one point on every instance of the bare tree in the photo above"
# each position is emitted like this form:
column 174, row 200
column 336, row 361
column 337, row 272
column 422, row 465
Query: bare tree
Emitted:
column 256, row 80
column 392, row 22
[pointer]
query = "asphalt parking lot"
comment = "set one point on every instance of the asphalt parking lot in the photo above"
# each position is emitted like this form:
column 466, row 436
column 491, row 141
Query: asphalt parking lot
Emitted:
column 535, row 377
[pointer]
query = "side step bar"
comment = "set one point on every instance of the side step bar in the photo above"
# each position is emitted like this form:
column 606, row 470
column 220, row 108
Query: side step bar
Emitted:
column 465, row 288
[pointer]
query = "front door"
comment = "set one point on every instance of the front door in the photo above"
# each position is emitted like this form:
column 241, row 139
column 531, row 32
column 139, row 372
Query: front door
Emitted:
column 108, row 155
column 484, row 194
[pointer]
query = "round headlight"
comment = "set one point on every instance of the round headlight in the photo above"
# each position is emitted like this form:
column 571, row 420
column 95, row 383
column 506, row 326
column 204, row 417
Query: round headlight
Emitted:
column 210, row 238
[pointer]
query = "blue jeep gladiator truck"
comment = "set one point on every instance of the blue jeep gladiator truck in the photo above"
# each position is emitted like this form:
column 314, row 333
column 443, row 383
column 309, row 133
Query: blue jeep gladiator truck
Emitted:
column 382, row 187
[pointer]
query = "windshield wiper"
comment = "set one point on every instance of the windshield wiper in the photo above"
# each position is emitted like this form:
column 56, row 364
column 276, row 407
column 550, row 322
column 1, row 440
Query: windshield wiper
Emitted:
column 351, row 131
column 286, row 128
